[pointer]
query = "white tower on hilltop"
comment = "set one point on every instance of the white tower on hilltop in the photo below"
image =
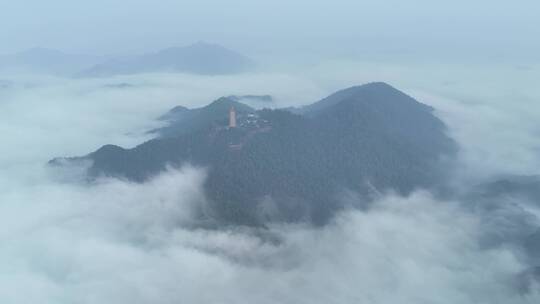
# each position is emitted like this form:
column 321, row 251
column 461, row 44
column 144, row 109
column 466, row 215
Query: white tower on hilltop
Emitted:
column 232, row 118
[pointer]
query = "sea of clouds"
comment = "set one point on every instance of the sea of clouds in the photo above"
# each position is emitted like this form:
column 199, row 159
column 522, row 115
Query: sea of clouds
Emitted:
column 64, row 241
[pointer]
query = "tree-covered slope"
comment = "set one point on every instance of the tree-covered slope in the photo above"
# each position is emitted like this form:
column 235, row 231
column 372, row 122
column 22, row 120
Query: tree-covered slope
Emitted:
column 181, row 120
column 282, row 166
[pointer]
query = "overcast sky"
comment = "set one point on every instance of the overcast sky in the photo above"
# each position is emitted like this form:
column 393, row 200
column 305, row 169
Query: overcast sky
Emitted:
column 504, row 29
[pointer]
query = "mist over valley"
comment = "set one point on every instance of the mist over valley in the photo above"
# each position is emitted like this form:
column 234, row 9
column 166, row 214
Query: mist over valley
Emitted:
column 302, row 153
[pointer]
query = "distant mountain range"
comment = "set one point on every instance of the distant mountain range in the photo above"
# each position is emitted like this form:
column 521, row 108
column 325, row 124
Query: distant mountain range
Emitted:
column 46, row 61
column 281, row 166
column 199, row 58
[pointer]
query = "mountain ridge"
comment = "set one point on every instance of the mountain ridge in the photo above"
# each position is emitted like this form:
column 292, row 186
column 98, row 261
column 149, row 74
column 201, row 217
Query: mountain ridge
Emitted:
column 199, row 58
column 282, row 161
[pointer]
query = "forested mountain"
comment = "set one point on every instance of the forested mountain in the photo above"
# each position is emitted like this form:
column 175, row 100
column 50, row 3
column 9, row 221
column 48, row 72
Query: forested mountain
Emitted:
column 199, row 58
column 277, row 165
column 182, row 120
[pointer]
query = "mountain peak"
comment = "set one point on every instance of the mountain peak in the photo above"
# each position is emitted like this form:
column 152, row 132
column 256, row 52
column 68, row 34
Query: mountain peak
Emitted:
column 373, row 85
column 199, row 58
column 379, row 94
column 226, row 102
column 182, row 120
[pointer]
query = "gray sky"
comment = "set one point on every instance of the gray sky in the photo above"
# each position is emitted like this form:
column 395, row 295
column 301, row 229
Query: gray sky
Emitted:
column 504, row 29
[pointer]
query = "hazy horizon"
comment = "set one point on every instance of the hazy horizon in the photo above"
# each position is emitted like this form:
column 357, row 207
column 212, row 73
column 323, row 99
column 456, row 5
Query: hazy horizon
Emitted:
column 418, row 30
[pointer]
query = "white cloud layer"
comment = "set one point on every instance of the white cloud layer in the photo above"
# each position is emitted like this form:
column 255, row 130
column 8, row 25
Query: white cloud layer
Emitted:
column 117, row 242
column 120, row 242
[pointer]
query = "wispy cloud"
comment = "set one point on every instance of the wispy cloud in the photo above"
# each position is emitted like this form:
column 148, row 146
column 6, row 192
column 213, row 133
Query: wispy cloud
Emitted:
column 121, row 242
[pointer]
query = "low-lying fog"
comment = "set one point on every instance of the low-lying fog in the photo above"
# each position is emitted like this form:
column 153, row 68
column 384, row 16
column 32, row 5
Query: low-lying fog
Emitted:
column 62, row 241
